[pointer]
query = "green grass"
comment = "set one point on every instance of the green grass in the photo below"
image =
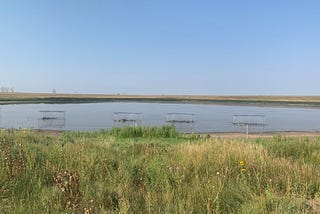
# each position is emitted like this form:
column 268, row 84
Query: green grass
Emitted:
column 156, row 170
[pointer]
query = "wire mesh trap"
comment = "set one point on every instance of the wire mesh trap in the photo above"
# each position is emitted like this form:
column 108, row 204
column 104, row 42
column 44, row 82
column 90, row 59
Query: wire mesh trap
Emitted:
column 255, row 122
column 182, row 121
column 51, row 120
column 127, row 118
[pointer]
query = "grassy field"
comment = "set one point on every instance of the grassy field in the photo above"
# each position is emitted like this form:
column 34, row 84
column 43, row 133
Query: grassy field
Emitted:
column 157, row 170
column 7, row 98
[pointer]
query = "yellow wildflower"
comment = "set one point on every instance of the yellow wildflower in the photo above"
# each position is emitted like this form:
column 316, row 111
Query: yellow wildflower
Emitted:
column 242, row 163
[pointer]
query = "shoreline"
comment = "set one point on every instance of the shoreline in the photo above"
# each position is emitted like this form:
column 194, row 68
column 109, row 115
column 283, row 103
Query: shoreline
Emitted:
column 263, row 101
column 233, row 135
column 223, row 135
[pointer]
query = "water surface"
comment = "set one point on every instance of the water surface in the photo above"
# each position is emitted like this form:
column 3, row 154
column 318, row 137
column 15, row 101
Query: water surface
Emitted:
column 208, row 118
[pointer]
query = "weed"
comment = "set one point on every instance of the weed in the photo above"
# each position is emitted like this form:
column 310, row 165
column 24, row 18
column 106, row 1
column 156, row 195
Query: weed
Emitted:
column 14, row 159
column 157, row 170
column 69, row 184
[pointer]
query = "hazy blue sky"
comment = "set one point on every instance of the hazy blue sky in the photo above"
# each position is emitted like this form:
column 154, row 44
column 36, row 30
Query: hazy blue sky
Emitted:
column 217, row 47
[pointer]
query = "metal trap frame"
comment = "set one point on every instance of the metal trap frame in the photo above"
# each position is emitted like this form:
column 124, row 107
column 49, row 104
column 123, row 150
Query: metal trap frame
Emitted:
column 182, row 121
column 51, row 119
column 247, row 120
column 127, row 118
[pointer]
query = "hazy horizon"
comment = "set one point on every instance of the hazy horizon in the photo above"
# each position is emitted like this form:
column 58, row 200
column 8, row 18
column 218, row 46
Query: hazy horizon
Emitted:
column 161, row 47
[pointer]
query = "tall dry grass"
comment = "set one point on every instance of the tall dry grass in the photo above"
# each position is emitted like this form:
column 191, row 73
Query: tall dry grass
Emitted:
column 109, row 173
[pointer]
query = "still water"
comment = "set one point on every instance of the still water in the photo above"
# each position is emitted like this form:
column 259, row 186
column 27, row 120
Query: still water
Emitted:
column 205, row 118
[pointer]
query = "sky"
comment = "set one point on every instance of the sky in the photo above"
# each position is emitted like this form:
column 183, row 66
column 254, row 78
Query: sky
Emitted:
column 196, row 47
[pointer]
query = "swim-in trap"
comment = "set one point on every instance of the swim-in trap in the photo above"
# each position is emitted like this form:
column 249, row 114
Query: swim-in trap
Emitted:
column 253, row 123
column 127, row 118
column 52, row 120
column 182, row 121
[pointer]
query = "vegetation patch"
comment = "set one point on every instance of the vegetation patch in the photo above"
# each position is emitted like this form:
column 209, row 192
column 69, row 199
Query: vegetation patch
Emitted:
column 156, row 170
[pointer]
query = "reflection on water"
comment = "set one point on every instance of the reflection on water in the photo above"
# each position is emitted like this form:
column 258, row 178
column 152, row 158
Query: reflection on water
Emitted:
column 204, row 118
column 184, row 127
column 51, row 124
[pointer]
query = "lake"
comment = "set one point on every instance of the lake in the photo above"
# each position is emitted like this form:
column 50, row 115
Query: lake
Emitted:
column 187, row 117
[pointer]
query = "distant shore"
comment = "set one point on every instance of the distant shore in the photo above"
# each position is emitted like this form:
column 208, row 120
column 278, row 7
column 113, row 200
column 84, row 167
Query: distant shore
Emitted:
column 50, row 98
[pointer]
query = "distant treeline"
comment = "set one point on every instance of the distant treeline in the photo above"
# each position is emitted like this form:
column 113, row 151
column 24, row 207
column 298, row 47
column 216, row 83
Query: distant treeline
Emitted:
column 4, row 89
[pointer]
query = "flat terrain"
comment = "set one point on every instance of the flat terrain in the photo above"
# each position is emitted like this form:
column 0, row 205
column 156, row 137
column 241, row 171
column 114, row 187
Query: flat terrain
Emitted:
column 8, row 98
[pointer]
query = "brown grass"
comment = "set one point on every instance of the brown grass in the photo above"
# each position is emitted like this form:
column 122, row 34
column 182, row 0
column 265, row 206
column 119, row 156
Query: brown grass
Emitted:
column 196, row 98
